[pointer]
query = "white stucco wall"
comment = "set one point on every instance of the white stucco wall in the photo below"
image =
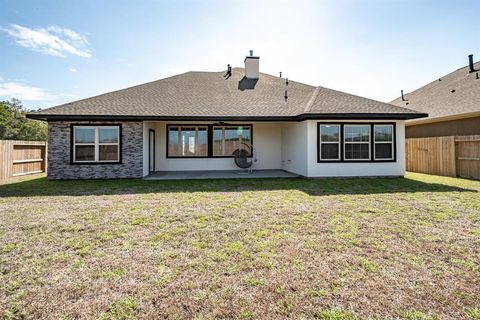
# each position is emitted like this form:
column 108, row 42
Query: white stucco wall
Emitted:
column 355, row 169
column 291, row 146
column 294, row 147
column 266, row 139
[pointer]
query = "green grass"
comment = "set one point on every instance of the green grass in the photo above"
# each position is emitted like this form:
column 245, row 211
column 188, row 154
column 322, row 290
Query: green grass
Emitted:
column 416, row 315
column 473, row 313
column 340, row 249
column 336, row 314
column 367, row 265
column 123, row 309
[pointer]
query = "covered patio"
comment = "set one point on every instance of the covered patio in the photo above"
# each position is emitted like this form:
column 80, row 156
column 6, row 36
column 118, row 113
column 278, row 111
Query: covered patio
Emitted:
column 219, row 174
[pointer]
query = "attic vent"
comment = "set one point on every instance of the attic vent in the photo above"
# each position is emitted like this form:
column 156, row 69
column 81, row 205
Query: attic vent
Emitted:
column 286, row 95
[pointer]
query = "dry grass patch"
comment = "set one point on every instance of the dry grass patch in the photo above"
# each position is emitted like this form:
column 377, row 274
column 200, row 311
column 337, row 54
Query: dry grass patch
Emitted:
column 404, row 248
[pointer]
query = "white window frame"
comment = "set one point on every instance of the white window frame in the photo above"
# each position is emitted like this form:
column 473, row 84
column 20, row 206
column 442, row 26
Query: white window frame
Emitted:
column 223, row 138
column 330, row 142
column 384, row 142
column 358, row 142
column 96, row 144
column 180, row 145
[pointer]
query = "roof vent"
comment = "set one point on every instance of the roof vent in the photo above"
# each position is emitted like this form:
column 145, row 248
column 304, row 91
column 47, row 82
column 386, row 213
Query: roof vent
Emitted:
column 403, row 98
column 229, row 72
column 470, row 63
column 252, row 66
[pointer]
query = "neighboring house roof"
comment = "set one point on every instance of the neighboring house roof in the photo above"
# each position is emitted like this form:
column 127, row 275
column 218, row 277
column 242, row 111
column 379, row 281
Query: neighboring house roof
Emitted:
column 455, row 95
column 212, row 95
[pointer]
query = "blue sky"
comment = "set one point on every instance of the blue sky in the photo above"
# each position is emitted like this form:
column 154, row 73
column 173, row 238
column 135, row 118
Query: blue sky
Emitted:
column 58, row 51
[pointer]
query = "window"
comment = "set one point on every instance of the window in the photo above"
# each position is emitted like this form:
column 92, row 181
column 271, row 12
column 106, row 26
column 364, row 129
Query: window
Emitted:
column 383, row 142
column 227, row 139
column 356, row 142
column 329, row 142
column 96, row 144
column 187, row 141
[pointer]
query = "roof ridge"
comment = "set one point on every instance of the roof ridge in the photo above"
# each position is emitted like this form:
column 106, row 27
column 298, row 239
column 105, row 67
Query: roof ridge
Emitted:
column 310, row 102
column 434, row 81
column 375, row 100
column 277, row 77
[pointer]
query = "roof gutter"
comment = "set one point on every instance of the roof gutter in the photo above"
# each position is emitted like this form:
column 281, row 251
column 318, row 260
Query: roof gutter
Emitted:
column 359, row 116
column 301, row 117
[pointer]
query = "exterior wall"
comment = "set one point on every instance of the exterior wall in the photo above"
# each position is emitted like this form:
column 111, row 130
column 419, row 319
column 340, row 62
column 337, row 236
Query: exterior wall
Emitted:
column 459, row 127
column 355, row 169
column 291, row 146
column 59, row 149
column 266, row 140
column 294, row 147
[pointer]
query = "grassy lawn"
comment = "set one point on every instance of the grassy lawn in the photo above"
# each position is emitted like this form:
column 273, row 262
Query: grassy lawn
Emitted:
column 404, row 248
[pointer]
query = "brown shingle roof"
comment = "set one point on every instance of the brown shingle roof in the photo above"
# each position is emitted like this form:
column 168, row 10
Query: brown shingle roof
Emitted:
column 211, row 94
column 333, row 101
column 438, row 100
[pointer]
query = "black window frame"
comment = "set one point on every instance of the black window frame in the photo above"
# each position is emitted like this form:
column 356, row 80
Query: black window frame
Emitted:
column 339, row 143
column 209, row 138
column 371, row 142
column 374, row 142
column 72, row 143
column 188, row 125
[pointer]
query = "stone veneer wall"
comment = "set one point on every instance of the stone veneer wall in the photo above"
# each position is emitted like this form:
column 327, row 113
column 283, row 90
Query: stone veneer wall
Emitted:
column 60, row 167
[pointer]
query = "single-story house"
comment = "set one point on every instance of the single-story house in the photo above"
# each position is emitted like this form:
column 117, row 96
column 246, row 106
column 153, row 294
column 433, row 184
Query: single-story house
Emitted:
column 197, row 120
column 452, row 103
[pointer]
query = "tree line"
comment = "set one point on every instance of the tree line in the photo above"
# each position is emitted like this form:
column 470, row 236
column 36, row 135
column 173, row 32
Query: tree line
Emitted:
column 15, row 126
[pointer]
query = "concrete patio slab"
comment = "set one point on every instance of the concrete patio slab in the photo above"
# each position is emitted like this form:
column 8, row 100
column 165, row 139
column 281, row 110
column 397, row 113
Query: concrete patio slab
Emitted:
column 221, row 174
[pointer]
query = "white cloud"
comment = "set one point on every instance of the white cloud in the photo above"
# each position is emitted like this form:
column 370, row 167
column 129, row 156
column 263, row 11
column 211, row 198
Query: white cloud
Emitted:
column 24, row 92
column 72, row 70
column 53, row 40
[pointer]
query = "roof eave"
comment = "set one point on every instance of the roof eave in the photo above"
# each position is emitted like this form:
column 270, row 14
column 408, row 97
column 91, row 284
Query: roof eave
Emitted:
column 300, row 117
column 60, row 117
column 443, row 118
column 360, row 116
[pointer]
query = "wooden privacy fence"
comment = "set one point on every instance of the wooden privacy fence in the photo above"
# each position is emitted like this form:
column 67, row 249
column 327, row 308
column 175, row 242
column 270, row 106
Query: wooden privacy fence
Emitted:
column 454, row 156
column 22, row 157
